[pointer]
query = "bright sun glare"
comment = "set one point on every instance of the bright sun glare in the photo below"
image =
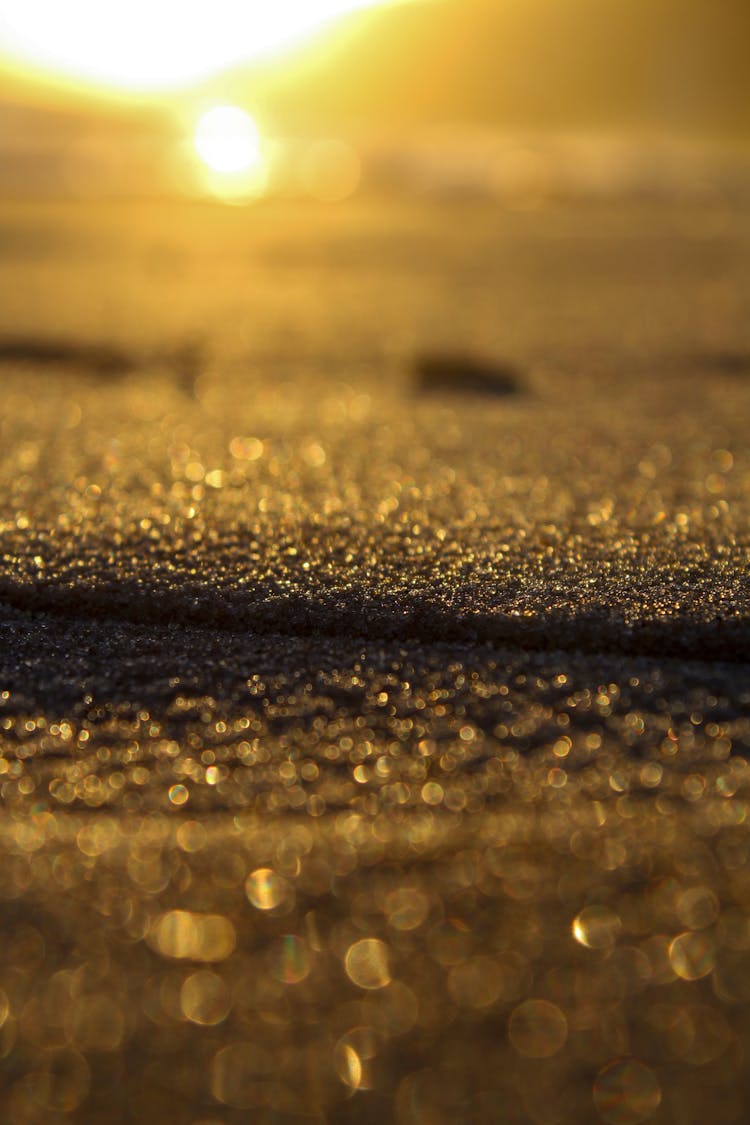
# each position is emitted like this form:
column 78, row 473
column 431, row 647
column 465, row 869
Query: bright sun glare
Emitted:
column 227, row 139
column 141, row 45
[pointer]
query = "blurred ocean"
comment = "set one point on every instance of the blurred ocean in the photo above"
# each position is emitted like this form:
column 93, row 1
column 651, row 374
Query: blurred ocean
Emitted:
column 48, row 153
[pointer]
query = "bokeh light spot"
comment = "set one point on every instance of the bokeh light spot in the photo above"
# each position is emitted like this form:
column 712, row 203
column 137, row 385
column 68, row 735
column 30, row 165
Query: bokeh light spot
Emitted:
column 366, row 963
column 597, row 927
column 204, row 998
column 692, row 955
column 196, row 937
column 537, row 1029
column 291, row 959
column 268, row 891
column 626, row 1092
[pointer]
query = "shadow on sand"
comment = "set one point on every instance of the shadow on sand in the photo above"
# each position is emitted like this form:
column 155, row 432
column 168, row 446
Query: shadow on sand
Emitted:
column 268, row 608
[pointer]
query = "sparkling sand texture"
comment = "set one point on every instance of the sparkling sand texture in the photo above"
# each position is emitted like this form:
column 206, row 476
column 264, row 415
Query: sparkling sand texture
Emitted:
column 374, row 652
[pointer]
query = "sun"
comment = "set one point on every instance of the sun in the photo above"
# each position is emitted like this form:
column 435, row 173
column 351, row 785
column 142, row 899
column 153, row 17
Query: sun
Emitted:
column 227, row 139
column 234, row 157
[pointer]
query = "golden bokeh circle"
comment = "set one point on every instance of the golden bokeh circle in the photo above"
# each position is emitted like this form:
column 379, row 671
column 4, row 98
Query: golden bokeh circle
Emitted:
column 626, row 1092
column 366, row 963
column 537, row 1029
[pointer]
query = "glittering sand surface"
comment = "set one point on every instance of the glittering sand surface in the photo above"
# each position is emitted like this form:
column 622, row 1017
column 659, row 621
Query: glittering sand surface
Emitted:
column 374, row 734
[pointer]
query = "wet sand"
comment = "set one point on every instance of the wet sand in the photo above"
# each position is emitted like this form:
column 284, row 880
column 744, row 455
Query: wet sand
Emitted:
column 374, row 663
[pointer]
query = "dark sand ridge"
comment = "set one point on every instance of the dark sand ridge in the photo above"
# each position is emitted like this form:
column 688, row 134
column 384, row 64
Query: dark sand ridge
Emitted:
column 711, row 623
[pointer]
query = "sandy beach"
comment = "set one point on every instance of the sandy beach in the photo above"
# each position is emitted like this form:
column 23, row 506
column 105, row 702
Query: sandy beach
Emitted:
column 374, row 622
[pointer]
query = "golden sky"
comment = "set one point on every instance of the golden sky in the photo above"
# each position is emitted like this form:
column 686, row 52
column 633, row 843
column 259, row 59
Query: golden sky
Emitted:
column 674, row 65
column 156, row 45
